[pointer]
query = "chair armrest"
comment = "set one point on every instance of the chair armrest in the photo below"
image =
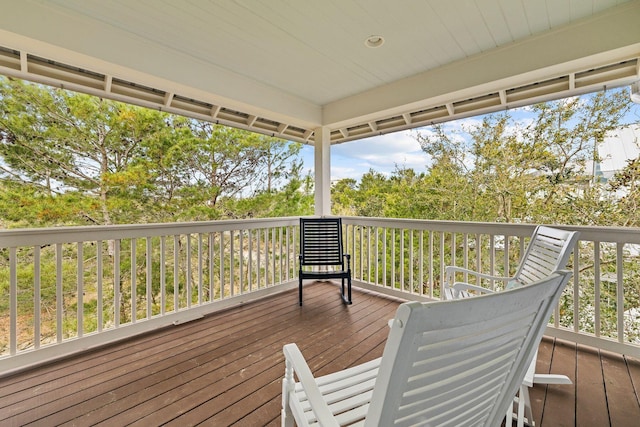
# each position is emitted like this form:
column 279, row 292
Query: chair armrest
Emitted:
column 461, row 286
column 452, row 269
column 348, row 257
column 295, row 360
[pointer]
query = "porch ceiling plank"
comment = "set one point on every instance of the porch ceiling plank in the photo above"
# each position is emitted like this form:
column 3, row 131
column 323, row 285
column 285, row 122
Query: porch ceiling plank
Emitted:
column 491, row 13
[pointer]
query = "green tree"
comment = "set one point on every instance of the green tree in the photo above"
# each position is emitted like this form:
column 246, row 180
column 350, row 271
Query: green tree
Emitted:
column 76, row 159
column 63, row 143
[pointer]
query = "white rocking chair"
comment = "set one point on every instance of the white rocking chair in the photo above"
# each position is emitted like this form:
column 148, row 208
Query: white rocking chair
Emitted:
column 548, row 251
column 456, row 362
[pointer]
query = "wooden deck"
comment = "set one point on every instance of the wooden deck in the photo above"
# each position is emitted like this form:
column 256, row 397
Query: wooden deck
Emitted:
column 226, row 369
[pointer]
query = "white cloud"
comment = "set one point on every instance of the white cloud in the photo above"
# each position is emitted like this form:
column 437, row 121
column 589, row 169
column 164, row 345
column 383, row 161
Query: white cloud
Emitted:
column 382, row 153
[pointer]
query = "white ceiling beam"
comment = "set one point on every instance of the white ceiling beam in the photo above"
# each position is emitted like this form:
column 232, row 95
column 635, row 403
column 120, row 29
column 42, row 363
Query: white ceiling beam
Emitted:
column 24, row 66
column 214, row 111
column 168, row 97
column 108, row 81
column 451, row 109
column 503, row 97
column 282, row 127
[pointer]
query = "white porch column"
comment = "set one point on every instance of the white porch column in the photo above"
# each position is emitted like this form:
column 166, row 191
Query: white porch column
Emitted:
column 322, row 146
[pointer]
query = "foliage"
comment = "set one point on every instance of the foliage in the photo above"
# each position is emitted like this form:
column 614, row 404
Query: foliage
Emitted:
column 509, row 170
column 71, row 159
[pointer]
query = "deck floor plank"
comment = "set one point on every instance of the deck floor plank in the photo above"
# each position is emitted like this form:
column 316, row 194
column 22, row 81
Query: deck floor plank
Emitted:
column 591, row 398
column 621, row 398
column 227, row 368
column 559, row 407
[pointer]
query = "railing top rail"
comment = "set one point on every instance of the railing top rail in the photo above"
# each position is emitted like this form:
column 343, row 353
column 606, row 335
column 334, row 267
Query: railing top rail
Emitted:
column 587, row 233
column 52, row 235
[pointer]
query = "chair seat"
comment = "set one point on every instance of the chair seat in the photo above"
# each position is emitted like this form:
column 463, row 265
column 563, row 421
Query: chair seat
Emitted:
column 329, row 274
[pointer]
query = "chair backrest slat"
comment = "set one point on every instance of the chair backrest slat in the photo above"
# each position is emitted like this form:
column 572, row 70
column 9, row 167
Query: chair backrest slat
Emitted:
column 461, row 362
column 321, row 241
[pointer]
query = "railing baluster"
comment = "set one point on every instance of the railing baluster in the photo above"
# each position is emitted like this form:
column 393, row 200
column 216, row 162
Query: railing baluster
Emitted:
column 267, row 257
column 116, row 283
column 188, row 271
column 368, row 254
column 222, row 265
column 597, row 284
column 273, row 256
column 212, row 285
column 505, row 257
column 99, row 284
column 411, row 284
column 431, row 264
column 200, row 268
column 163, row 275
column 420, row 259
column 134, row 308
column 80, row 290
column 250, row 260
column 393, row 258
column 258, row 258
column 442, row 263
column 280, row 251
column 176, row 273
column 478, row 254
column 465, row 250
column 241, row 260
column 402, row 281
column 377, row 255
column 231, row 262
column 149, row 282
column 492, row 258
column 620, row 291
column 13, row 301
column 384, row 257
column 37, row 305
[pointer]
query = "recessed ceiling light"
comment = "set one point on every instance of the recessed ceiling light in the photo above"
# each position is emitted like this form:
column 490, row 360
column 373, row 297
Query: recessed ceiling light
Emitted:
column 374, row 41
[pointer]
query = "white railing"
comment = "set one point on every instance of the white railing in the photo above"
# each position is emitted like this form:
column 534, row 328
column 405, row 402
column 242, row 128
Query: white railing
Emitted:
column 600, row 308
column 70, row 288
column 66, row 289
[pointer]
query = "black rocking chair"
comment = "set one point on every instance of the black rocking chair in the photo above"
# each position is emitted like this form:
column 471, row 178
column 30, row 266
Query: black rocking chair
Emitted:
column 321, row 245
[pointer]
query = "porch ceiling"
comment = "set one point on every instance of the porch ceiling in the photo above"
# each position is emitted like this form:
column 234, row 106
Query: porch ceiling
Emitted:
column 286, row 68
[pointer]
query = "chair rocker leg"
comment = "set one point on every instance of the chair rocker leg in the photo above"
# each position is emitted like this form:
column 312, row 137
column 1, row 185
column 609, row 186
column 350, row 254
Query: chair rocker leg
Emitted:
column 346, row 298
column 300, row 291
